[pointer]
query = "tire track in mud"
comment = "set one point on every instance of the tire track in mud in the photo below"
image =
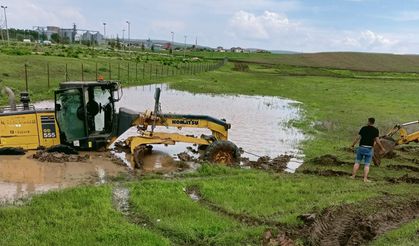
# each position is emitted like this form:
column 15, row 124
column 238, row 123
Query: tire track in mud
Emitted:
column 194, row 193
column 403, row 167
column 336, row 173
column 120, row 202
column 350, row 225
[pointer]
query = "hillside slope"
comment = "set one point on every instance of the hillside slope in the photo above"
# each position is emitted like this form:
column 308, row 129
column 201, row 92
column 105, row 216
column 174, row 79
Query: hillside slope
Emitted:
column 346, row 60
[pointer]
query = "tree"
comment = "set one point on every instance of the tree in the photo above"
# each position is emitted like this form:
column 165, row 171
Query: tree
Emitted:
column 152, row 47
column 55, row 38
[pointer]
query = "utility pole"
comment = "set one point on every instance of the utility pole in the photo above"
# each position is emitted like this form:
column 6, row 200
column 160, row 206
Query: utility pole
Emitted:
column 173, row 41
column 104, row 30
column 129, row 34
column 5, row 20
column 184, row 48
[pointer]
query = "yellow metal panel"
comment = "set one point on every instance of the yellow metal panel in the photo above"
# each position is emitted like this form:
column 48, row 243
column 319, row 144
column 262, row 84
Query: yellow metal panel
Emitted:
column 49, row 134
column 19, row 130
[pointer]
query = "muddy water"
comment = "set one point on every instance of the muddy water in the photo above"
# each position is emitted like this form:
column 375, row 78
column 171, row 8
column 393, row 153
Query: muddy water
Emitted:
column 21, row 175
column 260, row 125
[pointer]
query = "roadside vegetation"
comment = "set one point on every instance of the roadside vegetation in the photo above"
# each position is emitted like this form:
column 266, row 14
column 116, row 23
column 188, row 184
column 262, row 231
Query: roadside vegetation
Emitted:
column 229, row 206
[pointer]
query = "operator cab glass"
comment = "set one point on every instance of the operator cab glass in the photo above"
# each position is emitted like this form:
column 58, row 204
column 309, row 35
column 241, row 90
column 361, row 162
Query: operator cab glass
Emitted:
column 85, row 112
column 70, row 113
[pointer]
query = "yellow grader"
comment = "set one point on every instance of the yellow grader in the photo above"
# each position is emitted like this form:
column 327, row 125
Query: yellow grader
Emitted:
column 84, row 117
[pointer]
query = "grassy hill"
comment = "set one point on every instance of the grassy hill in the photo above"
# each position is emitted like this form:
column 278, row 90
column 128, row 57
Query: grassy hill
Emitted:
column 344, row 60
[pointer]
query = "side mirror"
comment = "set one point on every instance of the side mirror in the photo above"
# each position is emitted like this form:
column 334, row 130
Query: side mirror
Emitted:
column 57, row 107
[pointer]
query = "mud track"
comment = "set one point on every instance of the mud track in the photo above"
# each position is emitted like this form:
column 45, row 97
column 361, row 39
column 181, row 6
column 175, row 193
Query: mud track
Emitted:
column 326, row 173
column 120, row 201
column 329, row 160
column 350, row 225
column 195, row 194
column 404, row 179
column 403, row 167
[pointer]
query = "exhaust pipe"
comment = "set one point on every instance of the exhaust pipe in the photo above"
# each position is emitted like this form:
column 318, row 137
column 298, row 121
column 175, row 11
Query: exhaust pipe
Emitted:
column 12, row 99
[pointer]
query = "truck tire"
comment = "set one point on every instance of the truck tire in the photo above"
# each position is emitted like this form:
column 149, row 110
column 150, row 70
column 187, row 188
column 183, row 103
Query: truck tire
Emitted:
column 222, row 152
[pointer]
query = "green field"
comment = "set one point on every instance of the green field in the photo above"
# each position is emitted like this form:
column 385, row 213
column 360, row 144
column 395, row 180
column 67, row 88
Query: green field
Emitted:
column 237, row 206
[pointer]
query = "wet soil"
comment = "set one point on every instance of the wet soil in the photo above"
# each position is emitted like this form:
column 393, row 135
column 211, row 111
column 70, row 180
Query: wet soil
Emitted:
column 403, row 167
column 329, row 160
column 45, row 156
column 277, row 164
column 22, row 176
column 120, row 199
column 327, row 173
column 404, row 179
column 351, row 225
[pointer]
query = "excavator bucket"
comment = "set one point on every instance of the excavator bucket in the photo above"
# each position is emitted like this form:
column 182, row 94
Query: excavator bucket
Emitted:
column 388, row 144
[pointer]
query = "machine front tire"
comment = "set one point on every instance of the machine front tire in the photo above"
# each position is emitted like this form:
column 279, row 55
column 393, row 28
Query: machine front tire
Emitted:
column 139, row 153
column 222, row 152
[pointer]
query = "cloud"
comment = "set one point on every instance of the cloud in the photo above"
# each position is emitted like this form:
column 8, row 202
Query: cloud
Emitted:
column 27, row 13
column 250, row 26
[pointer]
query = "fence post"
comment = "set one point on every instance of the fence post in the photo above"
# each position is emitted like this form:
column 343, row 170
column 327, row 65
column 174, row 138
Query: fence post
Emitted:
column 48, row 74
column 26, row 76
column 66, row 73
column 143, row 70
column 82, row 72
column 136, row 71
column 151, row 70
column 110, row 71
column 128, row 73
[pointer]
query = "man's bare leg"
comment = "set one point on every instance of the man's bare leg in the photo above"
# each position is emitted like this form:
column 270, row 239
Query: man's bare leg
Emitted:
column 366, row 171
column 355, row 169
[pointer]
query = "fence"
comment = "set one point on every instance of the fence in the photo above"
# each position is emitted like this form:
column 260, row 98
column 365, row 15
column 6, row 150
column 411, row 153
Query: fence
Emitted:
column 51, row 74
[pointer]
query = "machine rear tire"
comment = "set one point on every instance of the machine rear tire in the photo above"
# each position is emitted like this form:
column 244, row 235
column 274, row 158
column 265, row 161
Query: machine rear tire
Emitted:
column 222, row 152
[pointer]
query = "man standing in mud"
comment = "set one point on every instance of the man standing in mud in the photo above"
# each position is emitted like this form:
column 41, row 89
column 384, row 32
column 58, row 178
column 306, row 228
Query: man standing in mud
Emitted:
column 368, row 136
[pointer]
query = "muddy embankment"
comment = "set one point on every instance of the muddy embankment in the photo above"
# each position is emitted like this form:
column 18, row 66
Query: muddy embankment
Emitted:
column 348, row 224
column 353, row 225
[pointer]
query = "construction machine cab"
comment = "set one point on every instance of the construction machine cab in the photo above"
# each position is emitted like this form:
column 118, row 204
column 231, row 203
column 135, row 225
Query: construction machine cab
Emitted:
column 85, row 112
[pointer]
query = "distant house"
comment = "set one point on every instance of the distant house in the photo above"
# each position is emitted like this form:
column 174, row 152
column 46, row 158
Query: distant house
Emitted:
column 237, row 50
column 220, row 49
column 167, row 46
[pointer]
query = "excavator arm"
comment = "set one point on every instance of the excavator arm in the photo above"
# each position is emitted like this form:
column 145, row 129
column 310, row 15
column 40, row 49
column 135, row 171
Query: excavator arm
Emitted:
column 404, row 136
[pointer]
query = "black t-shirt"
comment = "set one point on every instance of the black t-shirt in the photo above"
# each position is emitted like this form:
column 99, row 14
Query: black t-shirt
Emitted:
column 368, row 134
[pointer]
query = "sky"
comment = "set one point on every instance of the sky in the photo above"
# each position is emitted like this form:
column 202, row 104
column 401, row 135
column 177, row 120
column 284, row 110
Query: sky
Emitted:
column 386, row 26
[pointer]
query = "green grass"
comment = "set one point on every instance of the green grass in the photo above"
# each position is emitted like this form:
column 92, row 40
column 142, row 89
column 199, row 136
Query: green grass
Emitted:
column 344, row 60
column 337, row 107
column 170, row 209
column 129, row 68
column 407, row 235
column 82, row 216
column 335, row 103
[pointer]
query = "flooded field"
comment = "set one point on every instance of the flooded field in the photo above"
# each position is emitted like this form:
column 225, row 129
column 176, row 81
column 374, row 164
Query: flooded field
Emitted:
column 22, row 175
column 260, row 125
